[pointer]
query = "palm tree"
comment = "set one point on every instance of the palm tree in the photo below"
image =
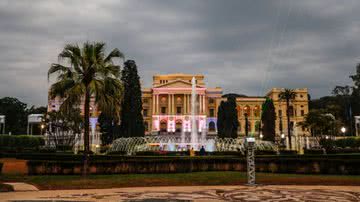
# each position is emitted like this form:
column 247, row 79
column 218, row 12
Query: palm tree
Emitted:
column 288, row 95
column 88, row 74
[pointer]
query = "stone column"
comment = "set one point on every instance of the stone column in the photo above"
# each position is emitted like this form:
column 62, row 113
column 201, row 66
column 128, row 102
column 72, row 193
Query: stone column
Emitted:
column 184, row 104
column 153, row 104
column 169, row 104
column 173, row 103
column 200, row 104
column 189, row 102
column 203, row 104
column 157, row 104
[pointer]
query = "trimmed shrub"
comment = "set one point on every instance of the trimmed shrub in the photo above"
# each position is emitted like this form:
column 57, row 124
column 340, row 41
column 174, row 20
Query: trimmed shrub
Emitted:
column 343, row 150
column 288, row 152
column 327, row 143
column 6, row 188
column 20, row 142
column 313, row 151
column 305, row 164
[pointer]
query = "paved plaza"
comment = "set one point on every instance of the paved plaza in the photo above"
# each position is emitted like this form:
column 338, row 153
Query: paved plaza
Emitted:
column 195, row 193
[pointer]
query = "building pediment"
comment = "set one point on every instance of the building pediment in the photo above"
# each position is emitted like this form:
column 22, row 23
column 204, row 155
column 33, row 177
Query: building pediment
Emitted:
column 176, row 84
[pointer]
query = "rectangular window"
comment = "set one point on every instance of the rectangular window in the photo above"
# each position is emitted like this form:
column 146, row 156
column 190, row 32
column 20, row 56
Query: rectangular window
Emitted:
column 163, row 110
column 280, row 112
column 212, row 113
column 145, row 101
column 145, row 112
column 178, row 110
column 302, row 112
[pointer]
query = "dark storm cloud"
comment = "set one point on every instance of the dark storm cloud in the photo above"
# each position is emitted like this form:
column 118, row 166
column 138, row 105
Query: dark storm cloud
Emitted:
column 242, row 46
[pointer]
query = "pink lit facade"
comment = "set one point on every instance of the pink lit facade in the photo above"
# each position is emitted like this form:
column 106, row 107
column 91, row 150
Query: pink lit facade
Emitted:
column 167, row 105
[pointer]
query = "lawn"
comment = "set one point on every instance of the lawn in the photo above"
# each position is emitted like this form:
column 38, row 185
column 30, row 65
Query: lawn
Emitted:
column 178, row 179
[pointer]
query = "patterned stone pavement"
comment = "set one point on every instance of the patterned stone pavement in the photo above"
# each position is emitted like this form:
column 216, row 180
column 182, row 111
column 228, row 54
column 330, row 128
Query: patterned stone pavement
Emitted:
column 204, row 193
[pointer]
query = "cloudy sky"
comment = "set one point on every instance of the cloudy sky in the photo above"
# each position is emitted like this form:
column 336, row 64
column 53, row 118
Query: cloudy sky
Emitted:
column 242, row 46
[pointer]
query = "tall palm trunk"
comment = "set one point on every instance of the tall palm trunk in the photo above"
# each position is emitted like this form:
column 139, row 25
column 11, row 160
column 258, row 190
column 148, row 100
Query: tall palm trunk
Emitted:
column 288, row 121
column 86, row 130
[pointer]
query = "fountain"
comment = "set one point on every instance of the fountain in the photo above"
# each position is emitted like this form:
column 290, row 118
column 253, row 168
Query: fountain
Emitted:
column 171, row 143
column 194, row 132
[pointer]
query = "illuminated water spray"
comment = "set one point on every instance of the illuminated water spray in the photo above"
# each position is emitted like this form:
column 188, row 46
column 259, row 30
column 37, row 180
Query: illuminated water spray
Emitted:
column 194, row 133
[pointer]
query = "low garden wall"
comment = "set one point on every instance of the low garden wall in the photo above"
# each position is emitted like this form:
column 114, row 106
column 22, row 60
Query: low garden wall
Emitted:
column 302, row 164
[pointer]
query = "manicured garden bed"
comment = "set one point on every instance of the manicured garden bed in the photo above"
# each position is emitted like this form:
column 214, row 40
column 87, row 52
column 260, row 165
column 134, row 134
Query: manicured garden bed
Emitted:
column 6, row 188
column 64, row 163
column 177, row 179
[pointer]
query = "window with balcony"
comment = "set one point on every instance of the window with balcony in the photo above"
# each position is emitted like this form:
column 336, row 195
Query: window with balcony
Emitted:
column 178, row 110
column 163, row 110
column 212, row 113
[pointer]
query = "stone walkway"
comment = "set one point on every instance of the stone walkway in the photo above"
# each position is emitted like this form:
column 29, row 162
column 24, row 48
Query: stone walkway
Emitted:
column 189, row 193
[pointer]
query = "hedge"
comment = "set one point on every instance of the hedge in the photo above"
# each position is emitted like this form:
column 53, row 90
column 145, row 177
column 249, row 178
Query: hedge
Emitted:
column 310, row 164
column 340, row 143
column 6, row 188
column 16, row 142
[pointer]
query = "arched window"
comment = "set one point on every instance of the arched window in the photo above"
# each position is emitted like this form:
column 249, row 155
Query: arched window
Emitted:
column 247, row 110
column 238, row 108
column 257, row 126
column 163, row 126
column 212, row 127
column 257, row 111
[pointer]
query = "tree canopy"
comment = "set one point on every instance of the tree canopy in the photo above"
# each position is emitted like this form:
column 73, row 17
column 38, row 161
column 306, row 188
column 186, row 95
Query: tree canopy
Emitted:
column 88, row 73
column 227, row 122
column 268, row 117
column 132, row 122
column 15, row 115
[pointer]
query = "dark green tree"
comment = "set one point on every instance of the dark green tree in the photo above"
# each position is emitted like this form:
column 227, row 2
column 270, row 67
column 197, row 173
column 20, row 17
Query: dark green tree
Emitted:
column 107, row 127
column 228, row 119
column 36, row 110
column 15, row 115
column 132, row 122
column 268, row 120
column 221, row 119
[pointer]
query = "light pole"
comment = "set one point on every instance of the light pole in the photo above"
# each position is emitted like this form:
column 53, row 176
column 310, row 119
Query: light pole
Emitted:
column 283, row 139
column 42, row 128
column 343, row 130
column 250, row 154
column 250, row 158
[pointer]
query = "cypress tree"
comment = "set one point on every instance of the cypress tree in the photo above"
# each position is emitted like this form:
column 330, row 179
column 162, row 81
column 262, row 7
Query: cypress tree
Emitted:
column 132, row 123
column 221, row 120
column 228, row 119
column 268, row 120
column 106, row 124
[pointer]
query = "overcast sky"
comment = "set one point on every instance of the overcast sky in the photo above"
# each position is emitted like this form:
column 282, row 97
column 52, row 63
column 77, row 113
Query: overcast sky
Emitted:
column 242, row 46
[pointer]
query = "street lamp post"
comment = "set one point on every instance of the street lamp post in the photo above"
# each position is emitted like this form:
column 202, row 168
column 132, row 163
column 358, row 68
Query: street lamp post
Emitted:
column 343, row 130
column 250, row 158
column 42, row 128
column 250, row 154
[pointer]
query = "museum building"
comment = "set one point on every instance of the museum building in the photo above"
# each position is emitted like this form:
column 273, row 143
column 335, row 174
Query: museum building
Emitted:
column 167, row 107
